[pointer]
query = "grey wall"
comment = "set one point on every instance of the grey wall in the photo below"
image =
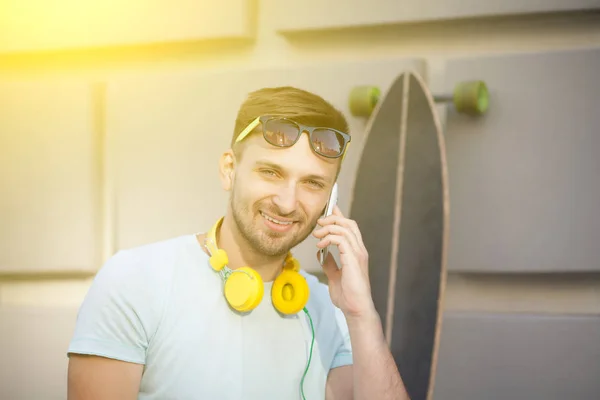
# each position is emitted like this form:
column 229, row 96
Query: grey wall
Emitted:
column 525, row 178
column 499, row 356
column 522, row 307
column 33, row 347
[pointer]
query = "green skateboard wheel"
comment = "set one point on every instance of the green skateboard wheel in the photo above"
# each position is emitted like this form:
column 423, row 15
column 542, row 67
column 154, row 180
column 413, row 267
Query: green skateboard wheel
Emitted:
column 471, row 97
column 363, row 100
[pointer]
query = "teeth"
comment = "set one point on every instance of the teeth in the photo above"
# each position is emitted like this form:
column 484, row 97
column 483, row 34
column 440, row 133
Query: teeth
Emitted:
column 275, row 220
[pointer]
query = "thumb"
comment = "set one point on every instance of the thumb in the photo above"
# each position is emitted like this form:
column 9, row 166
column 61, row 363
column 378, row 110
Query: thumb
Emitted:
column 337, row 211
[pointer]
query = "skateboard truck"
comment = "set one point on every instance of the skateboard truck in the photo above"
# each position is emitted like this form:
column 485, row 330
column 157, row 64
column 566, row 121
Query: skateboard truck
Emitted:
column 470, row 97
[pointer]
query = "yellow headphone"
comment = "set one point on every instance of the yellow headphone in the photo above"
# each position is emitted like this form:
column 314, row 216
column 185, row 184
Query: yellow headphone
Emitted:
column 244, row 287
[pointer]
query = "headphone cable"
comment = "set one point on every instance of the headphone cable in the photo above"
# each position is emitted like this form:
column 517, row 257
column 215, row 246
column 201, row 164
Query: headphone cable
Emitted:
column 309, row 355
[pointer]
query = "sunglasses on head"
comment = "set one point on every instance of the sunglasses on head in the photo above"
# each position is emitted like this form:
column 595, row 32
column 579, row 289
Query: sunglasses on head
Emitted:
column 284, row 132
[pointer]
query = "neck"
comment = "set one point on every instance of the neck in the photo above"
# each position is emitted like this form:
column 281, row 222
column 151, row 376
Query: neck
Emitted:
column 241, row 254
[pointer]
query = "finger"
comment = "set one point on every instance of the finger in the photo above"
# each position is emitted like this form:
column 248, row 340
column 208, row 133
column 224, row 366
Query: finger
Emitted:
column 340, row 241
column 348, row 259
column 341, row 231
column 347, row 255
column 335, row 219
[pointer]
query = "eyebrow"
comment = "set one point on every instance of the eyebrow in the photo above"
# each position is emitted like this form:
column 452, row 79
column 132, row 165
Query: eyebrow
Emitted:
column 272, row 165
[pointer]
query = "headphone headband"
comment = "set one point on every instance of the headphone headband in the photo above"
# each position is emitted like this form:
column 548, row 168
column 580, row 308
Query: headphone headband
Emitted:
column 210, row 242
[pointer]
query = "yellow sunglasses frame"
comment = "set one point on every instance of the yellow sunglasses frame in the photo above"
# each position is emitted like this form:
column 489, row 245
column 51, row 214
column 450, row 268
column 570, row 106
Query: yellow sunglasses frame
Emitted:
column 252, row 125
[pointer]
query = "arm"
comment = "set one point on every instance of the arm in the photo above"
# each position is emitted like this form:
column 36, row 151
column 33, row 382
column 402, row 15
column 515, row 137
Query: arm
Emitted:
column 340, row 383
column 115, row 322
column 374, row 374
column 99, row 378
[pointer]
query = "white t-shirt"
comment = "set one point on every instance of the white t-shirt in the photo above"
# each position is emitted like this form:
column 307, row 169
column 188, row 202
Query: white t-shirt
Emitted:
column 162, row 305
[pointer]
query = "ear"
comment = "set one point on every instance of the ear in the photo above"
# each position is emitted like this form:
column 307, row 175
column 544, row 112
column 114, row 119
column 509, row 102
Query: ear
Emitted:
column 227, row 164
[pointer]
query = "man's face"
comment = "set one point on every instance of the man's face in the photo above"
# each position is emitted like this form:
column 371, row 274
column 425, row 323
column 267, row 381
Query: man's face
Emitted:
column 279, row 193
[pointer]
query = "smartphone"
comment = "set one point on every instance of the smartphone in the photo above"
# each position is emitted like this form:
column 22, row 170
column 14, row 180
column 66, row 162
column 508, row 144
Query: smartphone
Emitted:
column 333, row 197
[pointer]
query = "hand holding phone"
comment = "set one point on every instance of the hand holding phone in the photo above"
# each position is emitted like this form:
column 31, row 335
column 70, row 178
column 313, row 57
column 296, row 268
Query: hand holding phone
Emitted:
column 333, row 197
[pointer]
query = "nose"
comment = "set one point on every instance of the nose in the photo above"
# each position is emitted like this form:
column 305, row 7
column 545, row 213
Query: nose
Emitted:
column 286, row 199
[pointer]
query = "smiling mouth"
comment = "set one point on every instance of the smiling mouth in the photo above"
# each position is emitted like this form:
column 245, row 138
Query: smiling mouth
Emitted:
column 276, row 221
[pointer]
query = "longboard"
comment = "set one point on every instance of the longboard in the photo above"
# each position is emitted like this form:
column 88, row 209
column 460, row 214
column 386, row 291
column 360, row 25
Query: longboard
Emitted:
column 400, row 202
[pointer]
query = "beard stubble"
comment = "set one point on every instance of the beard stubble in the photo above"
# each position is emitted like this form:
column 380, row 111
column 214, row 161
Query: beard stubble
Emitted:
column 270, row 244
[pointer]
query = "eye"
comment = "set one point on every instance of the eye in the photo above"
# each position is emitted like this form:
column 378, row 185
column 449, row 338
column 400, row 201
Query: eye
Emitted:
column 268, row 172
column 315, row 184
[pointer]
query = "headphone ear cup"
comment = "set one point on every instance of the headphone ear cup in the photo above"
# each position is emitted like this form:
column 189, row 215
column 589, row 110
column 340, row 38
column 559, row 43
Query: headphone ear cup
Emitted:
column 290, row 292
column 219, row 260
column 244, row 289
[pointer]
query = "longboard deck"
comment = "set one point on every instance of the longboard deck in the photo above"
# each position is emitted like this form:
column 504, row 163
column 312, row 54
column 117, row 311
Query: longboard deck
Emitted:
column 401, row 204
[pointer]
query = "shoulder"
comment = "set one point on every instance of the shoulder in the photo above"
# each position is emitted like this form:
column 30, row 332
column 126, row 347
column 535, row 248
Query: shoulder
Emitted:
column 148, row 263
column 125, row 303
column 140, row 277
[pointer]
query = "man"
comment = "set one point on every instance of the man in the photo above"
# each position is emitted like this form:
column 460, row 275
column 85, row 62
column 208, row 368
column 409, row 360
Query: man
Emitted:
column 158, row 321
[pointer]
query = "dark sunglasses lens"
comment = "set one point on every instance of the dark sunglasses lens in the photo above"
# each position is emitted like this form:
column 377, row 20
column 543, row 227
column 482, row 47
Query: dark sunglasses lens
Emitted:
column 280, row 132
column 327, row 142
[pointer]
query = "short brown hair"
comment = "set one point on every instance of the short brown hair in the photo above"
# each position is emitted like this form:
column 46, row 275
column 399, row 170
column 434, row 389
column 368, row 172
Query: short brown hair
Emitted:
column 297, row 104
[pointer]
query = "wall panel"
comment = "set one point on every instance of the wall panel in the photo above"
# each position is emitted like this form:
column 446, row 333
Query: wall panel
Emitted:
column 49, row 177
column 518, row 356
column 35, row 340
column 34, row 25
column 311, row 15
column 524, row 180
